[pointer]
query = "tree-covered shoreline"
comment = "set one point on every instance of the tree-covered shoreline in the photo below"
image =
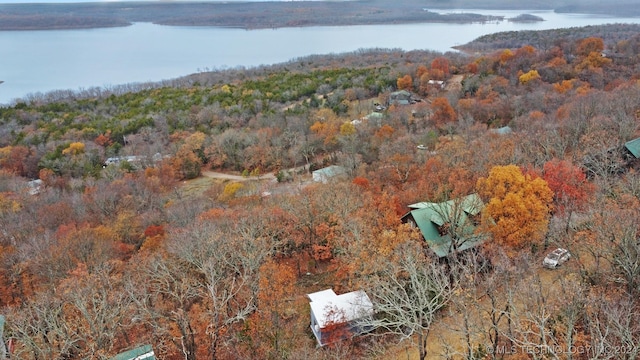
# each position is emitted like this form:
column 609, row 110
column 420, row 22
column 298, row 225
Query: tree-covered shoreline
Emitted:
column 260, row 15
column 545, row 39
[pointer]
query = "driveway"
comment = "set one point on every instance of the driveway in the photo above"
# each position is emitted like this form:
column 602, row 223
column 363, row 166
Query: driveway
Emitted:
column 223, row 176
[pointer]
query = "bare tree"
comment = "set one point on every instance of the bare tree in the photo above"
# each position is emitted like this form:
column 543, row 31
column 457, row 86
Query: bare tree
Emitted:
column 226, row 266
column 85, row 318
column 545, row 317
column 40, row 330
column 101, row 311
column 532, row 319
column 466, row 305
column 617, row 242
column 408, row 295
column 626, row 259
column 164, row 292
column 614, row 326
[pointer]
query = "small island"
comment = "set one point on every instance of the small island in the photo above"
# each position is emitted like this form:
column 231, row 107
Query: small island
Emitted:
column 526, row 18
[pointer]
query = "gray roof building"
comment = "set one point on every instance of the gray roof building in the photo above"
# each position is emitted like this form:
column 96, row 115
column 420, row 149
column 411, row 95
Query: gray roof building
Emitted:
column 330, row 172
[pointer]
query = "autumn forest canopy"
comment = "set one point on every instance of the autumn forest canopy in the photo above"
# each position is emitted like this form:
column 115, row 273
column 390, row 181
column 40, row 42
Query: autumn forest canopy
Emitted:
column 185, row 215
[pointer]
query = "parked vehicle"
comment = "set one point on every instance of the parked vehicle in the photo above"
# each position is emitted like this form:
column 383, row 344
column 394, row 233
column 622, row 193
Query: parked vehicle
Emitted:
column 556, row 258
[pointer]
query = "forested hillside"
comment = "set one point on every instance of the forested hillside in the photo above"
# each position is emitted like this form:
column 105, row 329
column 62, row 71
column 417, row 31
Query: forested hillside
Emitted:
column 184, row 214
column 611, row 34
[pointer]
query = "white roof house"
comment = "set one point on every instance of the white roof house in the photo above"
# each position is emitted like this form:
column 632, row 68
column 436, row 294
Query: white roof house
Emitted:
column 34, row 187
column 438, row 83
column 329, row 310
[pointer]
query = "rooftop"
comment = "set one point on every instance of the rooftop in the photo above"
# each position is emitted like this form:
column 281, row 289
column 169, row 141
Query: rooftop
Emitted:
column 429, row 217
column 351, row 306
column 144, row 352
column 634, row 147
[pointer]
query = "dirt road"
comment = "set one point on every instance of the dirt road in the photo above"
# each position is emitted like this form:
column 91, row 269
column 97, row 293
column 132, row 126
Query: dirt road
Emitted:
column 217, row 175
column 455, row 83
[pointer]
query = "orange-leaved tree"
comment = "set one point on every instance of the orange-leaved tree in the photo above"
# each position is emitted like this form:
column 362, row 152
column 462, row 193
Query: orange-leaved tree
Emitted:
column 405, row 83
column 326, row 126
column 590, row 55
column 421, row 70
column 190, row 156
column 443, row 112
column 588, row 45
column 269, row 326
column 440, row 65
column 569, row 184
column 12, row 159
column 517, row 206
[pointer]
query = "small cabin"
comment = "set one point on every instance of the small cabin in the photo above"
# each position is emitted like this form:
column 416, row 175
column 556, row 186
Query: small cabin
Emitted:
column 401, row 97
column 338, row 317
column 34, row 187
column 118, row 159
column 439, row 84
column 330, row 172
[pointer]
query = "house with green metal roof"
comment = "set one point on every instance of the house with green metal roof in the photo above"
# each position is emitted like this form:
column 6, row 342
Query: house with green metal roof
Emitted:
column 449, row 226
column 633, row 147
column 144, row 352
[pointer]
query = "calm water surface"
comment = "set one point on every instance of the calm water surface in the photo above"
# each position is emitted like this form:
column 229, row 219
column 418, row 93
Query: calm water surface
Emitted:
column 34, row 62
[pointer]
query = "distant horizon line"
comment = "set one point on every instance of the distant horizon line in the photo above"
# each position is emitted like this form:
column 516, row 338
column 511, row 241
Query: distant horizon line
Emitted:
column 98, row 1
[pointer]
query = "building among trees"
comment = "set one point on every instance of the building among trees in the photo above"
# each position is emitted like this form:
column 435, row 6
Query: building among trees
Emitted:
column 448, row 226
column 144, row 352
column 337, row 317
column 34, row 187
column 633, row 150
column 325, row 174
column 400, row 97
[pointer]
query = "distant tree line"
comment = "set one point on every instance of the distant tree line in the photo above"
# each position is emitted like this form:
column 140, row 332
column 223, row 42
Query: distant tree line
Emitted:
column 254, row 15
column 545, row 39
column 53, row 22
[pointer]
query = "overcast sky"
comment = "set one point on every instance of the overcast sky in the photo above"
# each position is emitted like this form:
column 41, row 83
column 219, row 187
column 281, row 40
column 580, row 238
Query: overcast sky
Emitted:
column 76, row 1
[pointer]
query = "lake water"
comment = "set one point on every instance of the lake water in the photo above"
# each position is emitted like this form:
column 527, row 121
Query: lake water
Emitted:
column 41, row 61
